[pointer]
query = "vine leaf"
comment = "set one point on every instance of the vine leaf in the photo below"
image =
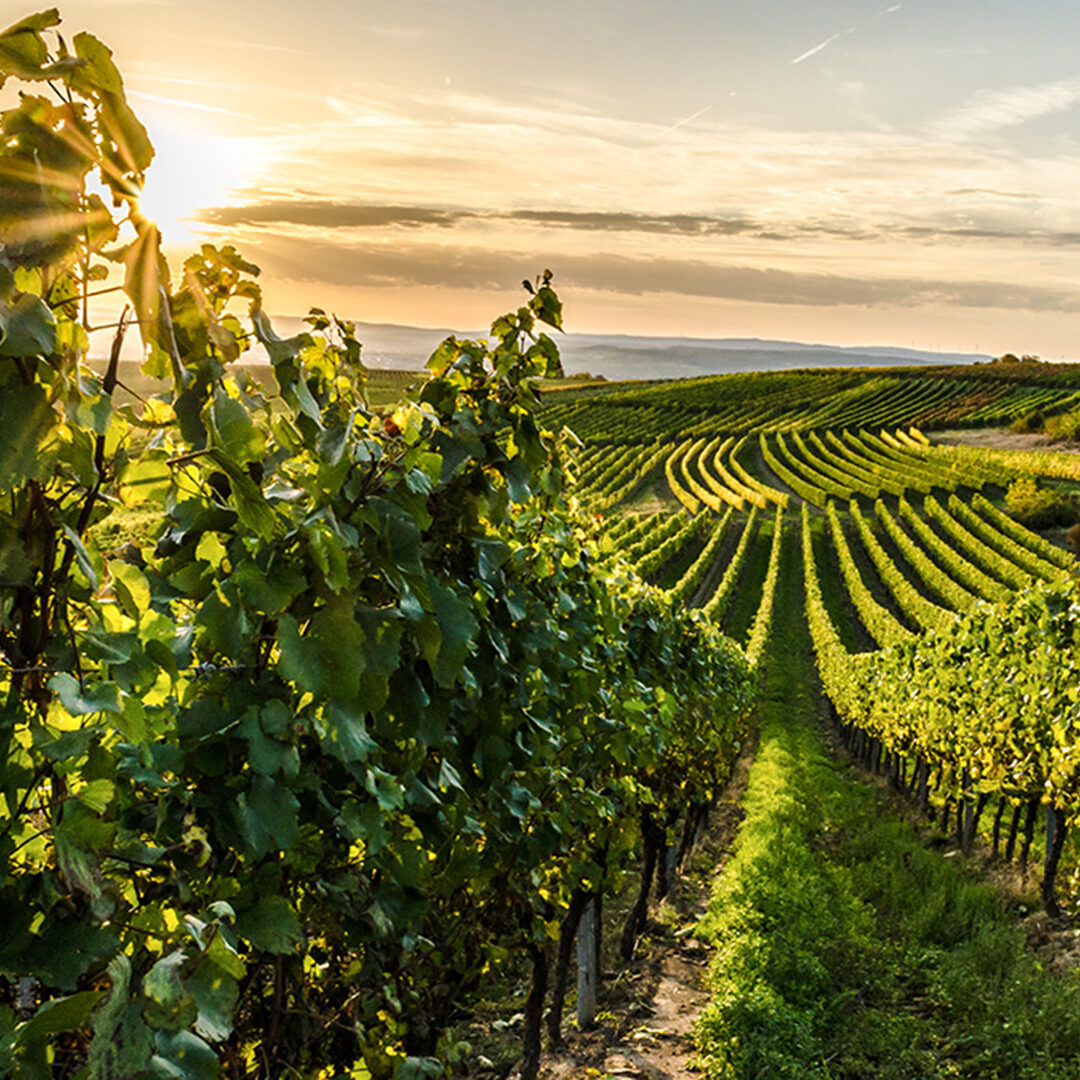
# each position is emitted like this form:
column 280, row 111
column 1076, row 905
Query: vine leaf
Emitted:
column 271, row 925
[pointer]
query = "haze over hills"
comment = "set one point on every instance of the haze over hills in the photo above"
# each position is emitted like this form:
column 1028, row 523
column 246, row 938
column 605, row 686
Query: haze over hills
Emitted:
column 650, row 358
column 617, row 356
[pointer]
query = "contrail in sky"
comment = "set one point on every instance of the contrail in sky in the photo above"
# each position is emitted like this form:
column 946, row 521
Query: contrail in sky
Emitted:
column 686, row 120
column 829, row 40
column 816, row 49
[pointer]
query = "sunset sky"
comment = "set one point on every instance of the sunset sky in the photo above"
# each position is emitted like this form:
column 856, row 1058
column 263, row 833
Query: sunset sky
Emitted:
column 843, row 171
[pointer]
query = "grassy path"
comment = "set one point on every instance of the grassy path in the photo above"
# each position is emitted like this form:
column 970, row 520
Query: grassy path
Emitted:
column 844, row 947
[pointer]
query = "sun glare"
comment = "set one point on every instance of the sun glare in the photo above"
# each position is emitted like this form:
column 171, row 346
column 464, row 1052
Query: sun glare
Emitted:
column 194, row 170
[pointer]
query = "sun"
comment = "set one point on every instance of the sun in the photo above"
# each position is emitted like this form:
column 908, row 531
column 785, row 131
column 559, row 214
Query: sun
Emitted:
column 194, row 168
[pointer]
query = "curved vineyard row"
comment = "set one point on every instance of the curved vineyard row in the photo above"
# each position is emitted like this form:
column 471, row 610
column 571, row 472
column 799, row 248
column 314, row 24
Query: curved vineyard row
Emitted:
column 1032, row 541
column 955, row 595
column 958, row 567
column 681, row 592
column 882, row 626
column 715, row 607
column 984, row 556
column 809, row 492
column 922, row 612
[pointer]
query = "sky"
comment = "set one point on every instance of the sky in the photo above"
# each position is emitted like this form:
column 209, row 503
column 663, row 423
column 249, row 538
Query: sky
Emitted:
column 840, row 171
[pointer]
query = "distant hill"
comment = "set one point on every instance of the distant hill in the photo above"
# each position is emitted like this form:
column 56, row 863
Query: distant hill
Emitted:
column 652, row 358
column 617, row 356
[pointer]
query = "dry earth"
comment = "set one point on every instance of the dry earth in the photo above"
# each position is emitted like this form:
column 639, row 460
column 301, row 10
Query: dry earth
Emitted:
column 1002, row 439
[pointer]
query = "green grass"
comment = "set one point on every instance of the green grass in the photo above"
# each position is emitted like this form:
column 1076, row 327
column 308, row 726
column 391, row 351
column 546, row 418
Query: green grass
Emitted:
column 844, row 947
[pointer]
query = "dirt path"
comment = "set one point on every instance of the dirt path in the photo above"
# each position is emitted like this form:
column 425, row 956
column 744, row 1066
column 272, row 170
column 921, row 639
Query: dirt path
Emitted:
column 648, row 1009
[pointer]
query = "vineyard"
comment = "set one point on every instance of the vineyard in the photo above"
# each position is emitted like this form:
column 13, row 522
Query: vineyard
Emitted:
column 335, row 705
column 939, row 586
column 943, row 630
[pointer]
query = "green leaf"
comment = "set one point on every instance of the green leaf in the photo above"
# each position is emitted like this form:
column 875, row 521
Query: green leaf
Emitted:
column 306, row 402
column 105, row 697
column 131, row 587
column 328, row 659
column 97, row 795
column 79, row 838
column 210, row 549
column 146, row 480
column 110, row 648
column 548, row 307
column 268, row 756
column 381, row 655
column 169, row 1004
column 127, row 146
column 70, row 744
column 223, row 624
column 27, row 328
column 63, row 1014
column 280, row 350
column 58, row 1015
column 22, row 50
column 276, row 717
column 400, row 535
column 251, row 505
column 449, row 777
column 143, row 278
column 232, row 429
column 25, row 419
column 346, row 735
column 517, row 477
column 271, row 925
column 61, row 952
column 386, row 788
column 98, row 72
column 220, row 951
column 269, row 816
column 216, row 993
column 419, row 1068
column 328, row 553
column 43, row 20
column 182, row 1055
column 122, row 1042
column 202, row 719
column 267, row 592
column 458, row 626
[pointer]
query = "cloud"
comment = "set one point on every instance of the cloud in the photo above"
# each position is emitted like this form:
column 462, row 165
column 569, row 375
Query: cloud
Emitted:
column 336, row 215
column 994, row 193
column 181, row 104
column 329, row 216
column 993, row 110
column 440, row 183
column 670, row 224
column 433, row 266
column 463, row 151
